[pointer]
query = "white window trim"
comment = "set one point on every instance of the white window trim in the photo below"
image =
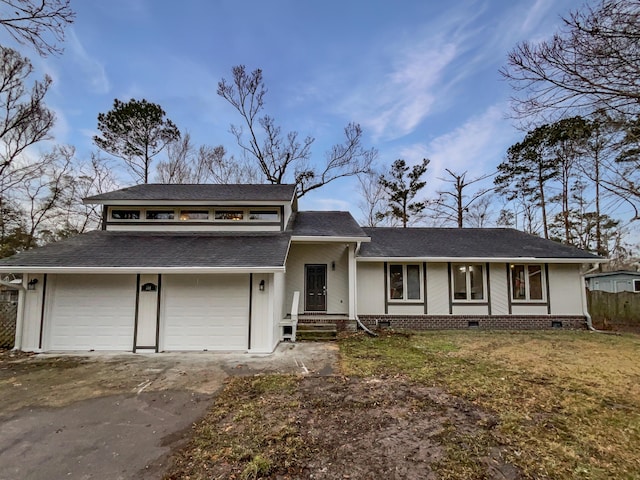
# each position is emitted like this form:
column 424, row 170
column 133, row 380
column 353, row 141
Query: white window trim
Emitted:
column 527, row 291
column 636, row 289
column 158, row 209
column 211, row 212
column 140, row 211
column 188, row 220
column 404, row 284
column 484, row 298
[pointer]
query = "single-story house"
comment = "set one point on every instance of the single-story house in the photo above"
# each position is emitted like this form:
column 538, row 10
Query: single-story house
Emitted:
column 234, row 267
column 614, row 282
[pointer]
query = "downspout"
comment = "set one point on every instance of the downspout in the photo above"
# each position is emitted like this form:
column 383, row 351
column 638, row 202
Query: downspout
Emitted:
column 585, row 308
column 355, row 286
column 17, row 344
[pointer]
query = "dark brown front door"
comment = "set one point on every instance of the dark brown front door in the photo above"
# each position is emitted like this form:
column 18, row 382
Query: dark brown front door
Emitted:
column 316, row 289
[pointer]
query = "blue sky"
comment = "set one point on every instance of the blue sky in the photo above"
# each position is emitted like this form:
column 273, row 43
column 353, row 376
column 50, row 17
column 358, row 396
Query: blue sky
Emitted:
column 420, row 76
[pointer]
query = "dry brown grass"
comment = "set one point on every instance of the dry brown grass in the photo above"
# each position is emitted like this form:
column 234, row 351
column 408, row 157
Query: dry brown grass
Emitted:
column 568, row 403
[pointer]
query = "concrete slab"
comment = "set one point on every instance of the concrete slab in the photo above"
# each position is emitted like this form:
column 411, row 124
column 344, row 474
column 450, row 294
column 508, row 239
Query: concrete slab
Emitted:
column 119, row 416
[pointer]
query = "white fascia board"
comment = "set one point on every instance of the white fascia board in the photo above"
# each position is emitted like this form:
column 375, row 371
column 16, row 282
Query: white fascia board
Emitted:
column 327, row 239
column 187, row 203
column 164, row 270
column 481, row 260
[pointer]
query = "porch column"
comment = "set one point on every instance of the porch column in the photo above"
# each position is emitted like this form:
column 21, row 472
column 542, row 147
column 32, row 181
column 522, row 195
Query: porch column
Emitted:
column 352, row 281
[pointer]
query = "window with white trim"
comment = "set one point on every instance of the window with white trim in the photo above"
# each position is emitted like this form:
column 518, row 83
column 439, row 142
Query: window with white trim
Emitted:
column 527, row 282
column 160, row 214
column 125, row 214
column 405, row 282
column 468, row 282
column 186, row 215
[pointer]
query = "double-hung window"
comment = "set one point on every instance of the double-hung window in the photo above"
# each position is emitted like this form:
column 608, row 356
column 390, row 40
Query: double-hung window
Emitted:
column 468, row 282
column 527, row 283
column 405, row 282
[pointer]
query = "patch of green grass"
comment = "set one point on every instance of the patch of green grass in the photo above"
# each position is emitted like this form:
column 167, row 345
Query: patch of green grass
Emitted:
column 568, row 402
column 258, row 467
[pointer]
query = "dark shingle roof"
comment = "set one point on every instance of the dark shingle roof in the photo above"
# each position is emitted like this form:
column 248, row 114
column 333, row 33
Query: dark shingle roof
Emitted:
column 325, row 224
column 151, row 249
column 464, row 243
column 198, row 192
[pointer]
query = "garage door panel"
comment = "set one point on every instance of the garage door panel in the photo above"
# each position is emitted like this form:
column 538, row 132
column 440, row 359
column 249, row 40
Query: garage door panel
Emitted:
column 206, row 312
column 92, row 312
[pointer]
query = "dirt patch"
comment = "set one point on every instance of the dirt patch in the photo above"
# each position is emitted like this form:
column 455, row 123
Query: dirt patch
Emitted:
column 339, row 427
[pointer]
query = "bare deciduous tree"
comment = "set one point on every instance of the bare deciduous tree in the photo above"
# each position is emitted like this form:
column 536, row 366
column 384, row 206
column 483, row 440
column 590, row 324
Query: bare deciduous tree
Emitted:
column 373, row 200
column 186, row 164
column 453, row 205
column 284, row 157
column 40, row 23
column 592, row 63
column 24, row 118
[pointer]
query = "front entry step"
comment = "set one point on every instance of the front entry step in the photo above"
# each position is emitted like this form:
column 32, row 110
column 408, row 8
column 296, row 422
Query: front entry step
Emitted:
column 317, row 331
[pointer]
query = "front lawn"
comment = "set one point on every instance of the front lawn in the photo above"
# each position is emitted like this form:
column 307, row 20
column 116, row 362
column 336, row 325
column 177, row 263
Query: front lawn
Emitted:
column 455, row 405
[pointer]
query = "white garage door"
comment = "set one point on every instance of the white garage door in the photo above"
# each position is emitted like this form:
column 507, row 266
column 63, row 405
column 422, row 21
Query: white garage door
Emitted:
column 205, row 312
column 90, row 312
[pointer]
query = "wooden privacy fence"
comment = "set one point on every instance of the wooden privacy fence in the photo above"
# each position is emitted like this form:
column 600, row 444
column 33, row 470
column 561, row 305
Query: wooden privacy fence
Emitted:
column 8, row 315
column 614, row 311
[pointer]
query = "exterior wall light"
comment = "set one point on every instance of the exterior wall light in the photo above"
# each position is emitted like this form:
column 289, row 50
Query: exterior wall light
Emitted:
column 333, row 265
column 31, row 284
column 261, row 286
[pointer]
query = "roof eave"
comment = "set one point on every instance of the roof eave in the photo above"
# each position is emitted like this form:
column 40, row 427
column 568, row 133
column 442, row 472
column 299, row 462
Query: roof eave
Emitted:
column 177, row 203
column 482, row 259
column 328, row 238
column 133, row 269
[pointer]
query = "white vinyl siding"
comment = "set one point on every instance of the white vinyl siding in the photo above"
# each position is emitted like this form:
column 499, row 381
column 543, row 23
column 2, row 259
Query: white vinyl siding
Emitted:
column 90, row 312
column 205, row 312
column 437, row 289
column 329, row 254
column 498, row 287
column 565, row 289
column 370, row 288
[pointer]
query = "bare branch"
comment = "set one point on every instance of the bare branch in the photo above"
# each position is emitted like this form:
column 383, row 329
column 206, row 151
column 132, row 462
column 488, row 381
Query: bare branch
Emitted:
column 33, row 22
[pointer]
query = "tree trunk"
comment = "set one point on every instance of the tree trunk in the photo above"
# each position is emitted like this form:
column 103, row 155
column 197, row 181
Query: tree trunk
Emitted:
column 543, row 205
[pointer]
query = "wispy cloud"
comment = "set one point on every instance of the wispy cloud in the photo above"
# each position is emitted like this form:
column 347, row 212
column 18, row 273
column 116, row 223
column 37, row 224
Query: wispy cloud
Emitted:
column 93, row 71
column 415, row 71
column 394, row 107
column 477, row 147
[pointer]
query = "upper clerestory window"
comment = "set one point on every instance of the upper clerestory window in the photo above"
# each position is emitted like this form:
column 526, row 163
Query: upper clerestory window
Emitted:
column 160, row 214
column 125, row 214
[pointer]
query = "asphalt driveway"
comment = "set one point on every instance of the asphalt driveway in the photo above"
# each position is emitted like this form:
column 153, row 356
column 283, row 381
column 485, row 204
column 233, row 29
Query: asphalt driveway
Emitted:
column 119, row 416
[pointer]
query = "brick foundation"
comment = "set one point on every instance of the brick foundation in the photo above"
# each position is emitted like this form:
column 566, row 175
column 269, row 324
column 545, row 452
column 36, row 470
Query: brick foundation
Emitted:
column 342, row 324
column 487, row 322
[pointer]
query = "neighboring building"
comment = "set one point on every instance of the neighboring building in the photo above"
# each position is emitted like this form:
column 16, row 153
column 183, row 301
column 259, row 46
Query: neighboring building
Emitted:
column 614, row 282
column 233, row 267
